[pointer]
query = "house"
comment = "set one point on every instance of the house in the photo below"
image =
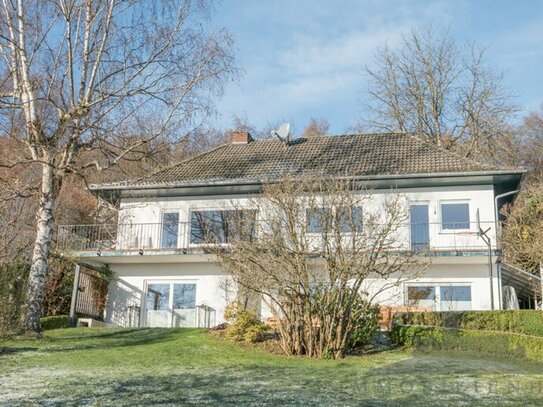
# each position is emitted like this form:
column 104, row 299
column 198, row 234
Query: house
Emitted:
column 164, row 276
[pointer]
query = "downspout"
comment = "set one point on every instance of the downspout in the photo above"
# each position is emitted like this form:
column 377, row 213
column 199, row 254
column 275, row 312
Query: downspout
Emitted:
column 498, row 240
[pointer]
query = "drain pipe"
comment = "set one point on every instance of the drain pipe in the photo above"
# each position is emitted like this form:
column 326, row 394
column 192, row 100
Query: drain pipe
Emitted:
column 498, row 242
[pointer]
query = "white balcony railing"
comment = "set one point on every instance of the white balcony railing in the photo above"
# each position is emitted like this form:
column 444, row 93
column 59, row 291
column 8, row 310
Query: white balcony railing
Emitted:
column 158, row 236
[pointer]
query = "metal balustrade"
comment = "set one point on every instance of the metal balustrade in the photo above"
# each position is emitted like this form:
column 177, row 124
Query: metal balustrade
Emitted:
column 160, row 236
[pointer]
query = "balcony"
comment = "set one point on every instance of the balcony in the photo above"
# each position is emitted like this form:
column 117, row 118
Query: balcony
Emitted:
column 157, row 237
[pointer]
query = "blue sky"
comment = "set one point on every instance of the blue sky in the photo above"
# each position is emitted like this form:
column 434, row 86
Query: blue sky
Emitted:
column 304, row 59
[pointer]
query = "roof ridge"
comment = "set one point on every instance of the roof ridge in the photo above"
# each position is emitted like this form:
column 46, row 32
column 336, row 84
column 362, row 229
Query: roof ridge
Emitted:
column 331, row 136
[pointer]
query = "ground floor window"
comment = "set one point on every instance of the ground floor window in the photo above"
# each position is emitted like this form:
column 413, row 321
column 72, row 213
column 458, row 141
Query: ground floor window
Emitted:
column 440, row 297
column 455, row 297
column 171, row 304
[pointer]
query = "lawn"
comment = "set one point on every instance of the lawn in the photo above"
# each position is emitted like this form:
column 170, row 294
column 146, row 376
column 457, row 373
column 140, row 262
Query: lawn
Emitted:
column 129, row 367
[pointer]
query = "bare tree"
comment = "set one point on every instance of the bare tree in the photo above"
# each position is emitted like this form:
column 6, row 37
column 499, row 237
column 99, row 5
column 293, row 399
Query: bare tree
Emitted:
column 522, row 236
column 84, row 76
column 319, row 257
column 17, row 206
column 528, row 143
column 446, row 93
column 316, row 127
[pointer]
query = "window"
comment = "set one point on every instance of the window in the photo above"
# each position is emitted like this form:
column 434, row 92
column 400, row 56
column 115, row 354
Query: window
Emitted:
column 442, row 297
column 455, row 297
column 454, row 216
column 170, row 230
column 158, row 297
column 171, row 304
column 348, row 219
column 216, row 226
column 316, row 219
column 184, row 296
column 421, row 296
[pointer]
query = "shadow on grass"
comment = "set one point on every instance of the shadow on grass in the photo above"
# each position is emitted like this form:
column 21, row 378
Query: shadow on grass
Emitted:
column 97, row 339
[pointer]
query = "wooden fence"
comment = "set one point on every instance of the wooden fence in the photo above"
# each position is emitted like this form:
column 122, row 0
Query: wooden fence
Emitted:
column 91, row 300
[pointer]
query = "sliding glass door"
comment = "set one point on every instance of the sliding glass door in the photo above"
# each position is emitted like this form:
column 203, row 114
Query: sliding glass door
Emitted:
column 170, row 304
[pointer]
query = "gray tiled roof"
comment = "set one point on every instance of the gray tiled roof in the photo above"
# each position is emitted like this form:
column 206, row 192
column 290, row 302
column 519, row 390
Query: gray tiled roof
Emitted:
column 350, row 155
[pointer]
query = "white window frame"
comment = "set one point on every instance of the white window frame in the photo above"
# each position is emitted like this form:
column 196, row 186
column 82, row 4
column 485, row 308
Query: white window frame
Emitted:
column 317, row 234
column 455, row 284
column 171, row 282
column 437, row 290
column 212, row 208
column 419, row 202
column 179, row 229
column 420, row 284
column 454, row 201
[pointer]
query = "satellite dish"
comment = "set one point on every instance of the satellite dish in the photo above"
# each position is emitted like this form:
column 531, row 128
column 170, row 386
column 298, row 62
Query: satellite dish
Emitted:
column 282, row 133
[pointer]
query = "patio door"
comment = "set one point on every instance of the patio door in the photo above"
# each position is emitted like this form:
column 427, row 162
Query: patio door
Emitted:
column 170, row 304
column 420, row 228
column 169, row 230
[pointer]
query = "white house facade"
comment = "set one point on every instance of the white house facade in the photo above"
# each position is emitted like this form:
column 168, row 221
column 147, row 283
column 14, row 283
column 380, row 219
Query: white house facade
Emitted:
column 164, row 277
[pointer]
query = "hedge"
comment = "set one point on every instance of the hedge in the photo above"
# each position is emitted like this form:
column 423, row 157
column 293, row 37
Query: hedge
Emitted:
column 528, row 322
column 55, row 322
column 496, row 343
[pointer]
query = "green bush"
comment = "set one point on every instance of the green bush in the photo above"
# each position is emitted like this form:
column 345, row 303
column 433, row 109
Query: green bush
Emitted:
column 528, row 322
column 255, row 333
column 13, row 283
column 55, row 322
column 416, row 335
column 244, row 325
column 496, row 343
column 365, row 320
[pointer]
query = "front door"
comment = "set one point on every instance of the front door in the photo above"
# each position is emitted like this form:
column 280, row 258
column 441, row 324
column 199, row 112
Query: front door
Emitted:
column 170, row 304
column 420, row 232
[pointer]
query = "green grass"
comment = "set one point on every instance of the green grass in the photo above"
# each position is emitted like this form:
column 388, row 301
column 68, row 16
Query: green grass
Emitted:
column 128, row 367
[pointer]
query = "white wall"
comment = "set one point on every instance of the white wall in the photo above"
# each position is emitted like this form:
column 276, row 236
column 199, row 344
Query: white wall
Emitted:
column 474, row 275
column 129, row 287
column 480, row 198
column 142, row 210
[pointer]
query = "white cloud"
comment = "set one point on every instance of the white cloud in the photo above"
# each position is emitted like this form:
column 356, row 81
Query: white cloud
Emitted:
column 304, row 56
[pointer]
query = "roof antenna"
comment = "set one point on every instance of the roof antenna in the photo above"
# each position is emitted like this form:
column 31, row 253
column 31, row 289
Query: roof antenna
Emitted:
column 282, row 133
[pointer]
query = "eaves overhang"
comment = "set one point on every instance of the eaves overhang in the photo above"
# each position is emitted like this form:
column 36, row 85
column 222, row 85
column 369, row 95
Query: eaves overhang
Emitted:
column 506, row 178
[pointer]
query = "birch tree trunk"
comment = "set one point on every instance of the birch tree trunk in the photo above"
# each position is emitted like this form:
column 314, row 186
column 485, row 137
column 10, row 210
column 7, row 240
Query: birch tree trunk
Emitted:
column 83, row 77
column 45, row 219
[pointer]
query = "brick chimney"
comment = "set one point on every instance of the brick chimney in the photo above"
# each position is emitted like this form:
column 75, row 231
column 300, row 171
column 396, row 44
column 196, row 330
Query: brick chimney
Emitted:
column 241, row 137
